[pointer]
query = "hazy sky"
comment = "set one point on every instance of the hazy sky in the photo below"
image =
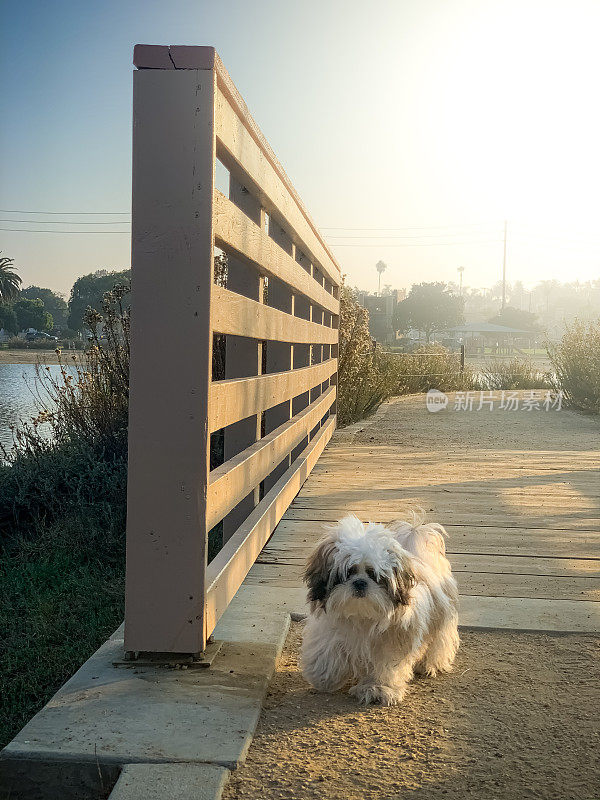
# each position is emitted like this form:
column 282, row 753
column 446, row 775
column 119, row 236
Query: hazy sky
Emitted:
column 433, row 120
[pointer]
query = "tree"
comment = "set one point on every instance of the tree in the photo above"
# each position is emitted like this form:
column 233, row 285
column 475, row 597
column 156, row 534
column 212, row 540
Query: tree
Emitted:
column 9, row 280
column 32, row 314
column 429, row 307
column 380, row 266
column 515, row 318
column 8, row 318
column 53, row 303
column 89, row 291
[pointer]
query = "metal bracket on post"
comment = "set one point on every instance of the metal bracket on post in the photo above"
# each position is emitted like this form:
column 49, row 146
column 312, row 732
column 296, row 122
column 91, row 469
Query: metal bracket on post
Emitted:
column 203, row 660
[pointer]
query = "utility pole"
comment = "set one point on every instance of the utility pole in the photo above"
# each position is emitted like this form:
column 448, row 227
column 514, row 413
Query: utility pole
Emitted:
column 504, row 270
column 460, row 271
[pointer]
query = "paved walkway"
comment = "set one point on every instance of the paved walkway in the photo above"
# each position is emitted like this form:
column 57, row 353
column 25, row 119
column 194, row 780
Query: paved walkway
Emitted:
column 517, row 490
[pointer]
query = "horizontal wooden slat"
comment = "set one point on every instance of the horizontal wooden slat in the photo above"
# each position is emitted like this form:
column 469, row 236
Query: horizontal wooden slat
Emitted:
column 239, row 316
column 234, row 229
column 242, row 149
column 237, row 399
column 224, row 575
column 234, row 479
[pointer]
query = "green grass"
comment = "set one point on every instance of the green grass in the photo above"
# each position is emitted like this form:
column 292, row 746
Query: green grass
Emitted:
column 62, row 596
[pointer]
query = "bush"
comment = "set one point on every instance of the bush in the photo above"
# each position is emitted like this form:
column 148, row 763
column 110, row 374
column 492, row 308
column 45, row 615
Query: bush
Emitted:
column 511, row 375
column 367, row 375
column 576, row 363
column 62, row 517
column 363, row 380
column 429, row 367
column 15, row 343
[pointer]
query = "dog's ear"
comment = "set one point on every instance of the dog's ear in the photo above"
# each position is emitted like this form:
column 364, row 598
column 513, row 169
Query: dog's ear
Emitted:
column 404, row 579
column 317, row 572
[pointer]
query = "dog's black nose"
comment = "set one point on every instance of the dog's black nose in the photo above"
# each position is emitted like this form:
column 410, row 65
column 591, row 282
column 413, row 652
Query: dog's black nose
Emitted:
column 359, row 587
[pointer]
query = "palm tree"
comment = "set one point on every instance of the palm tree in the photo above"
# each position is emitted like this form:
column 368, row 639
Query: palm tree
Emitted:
column 380, row 266
column 10, row 282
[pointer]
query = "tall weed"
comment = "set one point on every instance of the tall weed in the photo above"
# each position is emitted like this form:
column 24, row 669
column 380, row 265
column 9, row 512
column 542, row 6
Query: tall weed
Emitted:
column 576, row 363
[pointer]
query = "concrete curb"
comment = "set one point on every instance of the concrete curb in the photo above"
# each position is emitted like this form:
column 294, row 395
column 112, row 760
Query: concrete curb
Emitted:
column 104, row 717
column 170, row 782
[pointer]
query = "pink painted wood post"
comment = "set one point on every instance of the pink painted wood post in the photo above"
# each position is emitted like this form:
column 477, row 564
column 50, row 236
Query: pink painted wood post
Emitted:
column 186, row 110
column 172, row 281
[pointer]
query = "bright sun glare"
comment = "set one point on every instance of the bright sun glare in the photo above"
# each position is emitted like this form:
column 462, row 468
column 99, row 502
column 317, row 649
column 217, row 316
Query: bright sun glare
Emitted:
column 504, row 125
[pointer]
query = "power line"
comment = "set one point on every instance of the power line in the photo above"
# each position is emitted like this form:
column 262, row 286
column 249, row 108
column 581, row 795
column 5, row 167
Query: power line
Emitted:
column 416, row 244
column 413, row 227
column 66, row 213
column 62, row 222
column 60, row 233
column 418, row 236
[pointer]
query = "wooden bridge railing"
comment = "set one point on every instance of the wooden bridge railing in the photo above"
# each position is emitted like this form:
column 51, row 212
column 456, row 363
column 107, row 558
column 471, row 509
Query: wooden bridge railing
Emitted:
column 275, row 317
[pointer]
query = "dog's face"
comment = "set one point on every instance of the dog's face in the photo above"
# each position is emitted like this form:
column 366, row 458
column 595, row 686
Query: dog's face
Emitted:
column 359, row 571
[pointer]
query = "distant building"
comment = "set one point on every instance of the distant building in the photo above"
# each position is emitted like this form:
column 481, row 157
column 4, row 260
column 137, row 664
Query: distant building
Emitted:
column 381, row 310
column 480, row 337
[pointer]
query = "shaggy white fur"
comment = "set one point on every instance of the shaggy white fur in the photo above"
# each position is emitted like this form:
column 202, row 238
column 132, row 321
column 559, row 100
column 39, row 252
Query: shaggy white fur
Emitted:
column 384, row 604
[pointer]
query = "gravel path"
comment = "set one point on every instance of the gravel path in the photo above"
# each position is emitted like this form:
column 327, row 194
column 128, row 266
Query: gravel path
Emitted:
column 518, row 718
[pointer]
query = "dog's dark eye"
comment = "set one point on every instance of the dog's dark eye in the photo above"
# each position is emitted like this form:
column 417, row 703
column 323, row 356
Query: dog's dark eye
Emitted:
column 371, row 573
column 352, row 570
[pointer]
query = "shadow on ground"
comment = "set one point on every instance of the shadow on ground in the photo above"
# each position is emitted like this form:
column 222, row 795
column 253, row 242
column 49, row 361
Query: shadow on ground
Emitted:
column 517, row 718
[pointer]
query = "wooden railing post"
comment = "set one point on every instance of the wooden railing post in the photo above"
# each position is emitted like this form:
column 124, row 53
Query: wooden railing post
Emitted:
column 172, row 282
column 186, row 112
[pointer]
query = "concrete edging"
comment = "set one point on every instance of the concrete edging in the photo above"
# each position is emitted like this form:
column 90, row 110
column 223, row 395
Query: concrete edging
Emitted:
column 187, row 726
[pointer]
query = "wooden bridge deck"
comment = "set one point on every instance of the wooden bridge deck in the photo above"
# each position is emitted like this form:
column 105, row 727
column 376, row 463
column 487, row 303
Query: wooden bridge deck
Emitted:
column 518, row 492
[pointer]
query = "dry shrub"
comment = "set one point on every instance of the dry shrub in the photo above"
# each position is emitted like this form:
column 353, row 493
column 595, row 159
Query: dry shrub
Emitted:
column 88, row 400
column 431, row 366
column 363, row 380
column 72, row 457
column 367, row 375
column 516, row 373
column 576, row 363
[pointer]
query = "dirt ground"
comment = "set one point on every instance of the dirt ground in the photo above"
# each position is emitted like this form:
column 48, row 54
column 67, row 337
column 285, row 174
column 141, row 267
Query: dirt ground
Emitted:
column 518, row 718
column 461, row 431
column 30, row 356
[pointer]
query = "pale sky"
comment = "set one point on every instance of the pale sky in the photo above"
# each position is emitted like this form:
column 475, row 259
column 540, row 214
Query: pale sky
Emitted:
column 416, row 126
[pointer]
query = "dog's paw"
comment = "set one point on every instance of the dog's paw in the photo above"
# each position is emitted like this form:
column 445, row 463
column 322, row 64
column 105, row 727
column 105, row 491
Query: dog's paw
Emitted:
column 374, row 693
column 425, row 670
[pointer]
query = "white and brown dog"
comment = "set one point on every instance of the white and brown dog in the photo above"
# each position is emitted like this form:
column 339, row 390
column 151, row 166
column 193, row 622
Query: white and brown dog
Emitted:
column 383, row 605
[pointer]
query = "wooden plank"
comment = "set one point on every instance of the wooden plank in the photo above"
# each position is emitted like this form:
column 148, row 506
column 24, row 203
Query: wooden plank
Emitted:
column 229, row 568
column 239, row 316
column 298, row 537
column 237, row 399
column 243, row 359
column 279, row 356
column 238, row 149
column 448, row 515
column 357, row 451
column 152, row 56
column 230, row 91
column 234, row 479
column 469, row 583
column 465, row 562
column 172, row 264
column 234, row 230
column 499, row 489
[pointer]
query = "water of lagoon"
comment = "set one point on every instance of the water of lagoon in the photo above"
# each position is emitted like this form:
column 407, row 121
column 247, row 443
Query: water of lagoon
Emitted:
column 17, row 399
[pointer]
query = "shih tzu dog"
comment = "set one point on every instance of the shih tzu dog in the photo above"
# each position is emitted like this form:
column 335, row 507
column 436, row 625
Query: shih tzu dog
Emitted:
column 383, row 606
